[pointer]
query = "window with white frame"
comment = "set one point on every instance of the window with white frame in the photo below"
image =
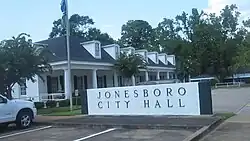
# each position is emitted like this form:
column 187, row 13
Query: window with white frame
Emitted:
column 54, row 84
column 163, row 76
column 117, row 51
column 23, row 87
column 171, row 75
column 120, row 81
column 80, row 82
column 137, row 79
column 97, row 49
column 152, row 77
column 100, row 82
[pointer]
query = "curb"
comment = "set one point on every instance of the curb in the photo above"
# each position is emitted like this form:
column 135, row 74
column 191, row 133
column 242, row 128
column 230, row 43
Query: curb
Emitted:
column 124, row 126
column 203, row 131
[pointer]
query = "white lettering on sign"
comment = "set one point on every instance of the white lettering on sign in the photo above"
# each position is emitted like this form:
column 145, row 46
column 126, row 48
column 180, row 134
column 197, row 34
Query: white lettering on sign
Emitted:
column 164, row 99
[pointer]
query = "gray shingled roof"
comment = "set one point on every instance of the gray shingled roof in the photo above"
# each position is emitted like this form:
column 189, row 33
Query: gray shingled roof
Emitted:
column 161, row 64
column 78, row 53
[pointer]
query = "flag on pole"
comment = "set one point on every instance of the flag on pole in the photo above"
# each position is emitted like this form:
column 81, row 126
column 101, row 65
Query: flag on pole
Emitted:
column 64, row 11
column 64, row 7
column 65, row 24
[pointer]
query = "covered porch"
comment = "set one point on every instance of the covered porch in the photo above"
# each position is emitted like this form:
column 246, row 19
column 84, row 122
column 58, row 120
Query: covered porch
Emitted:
column 55, row 84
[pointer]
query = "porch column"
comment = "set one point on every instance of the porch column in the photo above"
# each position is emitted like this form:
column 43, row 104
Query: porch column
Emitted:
column 115, row 79
column 133, row 80
column 158, row 75
column 168, row 75
column 146, row 75
column 67, row 89
column 94, row 78
column 59, row 83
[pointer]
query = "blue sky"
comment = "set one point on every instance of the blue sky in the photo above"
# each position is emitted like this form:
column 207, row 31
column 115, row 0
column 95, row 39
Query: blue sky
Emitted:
column 35, row 17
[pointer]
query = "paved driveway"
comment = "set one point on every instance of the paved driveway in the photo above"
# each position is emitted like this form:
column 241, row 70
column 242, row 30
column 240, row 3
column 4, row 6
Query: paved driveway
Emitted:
column 230, row 100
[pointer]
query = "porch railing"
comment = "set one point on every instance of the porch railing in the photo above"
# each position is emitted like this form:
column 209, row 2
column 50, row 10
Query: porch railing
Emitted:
column 52, row 96
column 45, row 97
column 228, row 84
column 36, row 98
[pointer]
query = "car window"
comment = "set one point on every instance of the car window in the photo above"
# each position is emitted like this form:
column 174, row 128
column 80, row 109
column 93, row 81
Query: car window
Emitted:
column 1, row 99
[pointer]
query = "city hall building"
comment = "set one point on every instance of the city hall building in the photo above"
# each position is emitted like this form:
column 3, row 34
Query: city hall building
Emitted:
column 92, row 66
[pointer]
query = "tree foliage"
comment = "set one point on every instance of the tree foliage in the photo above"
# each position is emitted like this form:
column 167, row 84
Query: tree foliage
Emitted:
column 81, row 26
column 129, row 65
column 20, row 60
column 137, row 33
column 242, row 59
column 204, row 43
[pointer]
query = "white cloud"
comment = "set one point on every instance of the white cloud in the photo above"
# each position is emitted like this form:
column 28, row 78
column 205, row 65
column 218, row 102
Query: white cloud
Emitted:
column 215, row 6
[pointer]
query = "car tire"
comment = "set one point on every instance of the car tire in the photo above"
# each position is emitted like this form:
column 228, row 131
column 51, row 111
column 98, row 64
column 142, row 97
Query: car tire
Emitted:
column 24, row 119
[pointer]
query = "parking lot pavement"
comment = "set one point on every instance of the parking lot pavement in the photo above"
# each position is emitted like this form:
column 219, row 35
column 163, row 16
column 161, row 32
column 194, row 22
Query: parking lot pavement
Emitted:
column 63, row 133
column 49, row 134
column 143, row 135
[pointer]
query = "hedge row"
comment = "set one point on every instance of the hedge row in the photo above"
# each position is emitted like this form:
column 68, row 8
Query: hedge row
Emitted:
column 62, row 103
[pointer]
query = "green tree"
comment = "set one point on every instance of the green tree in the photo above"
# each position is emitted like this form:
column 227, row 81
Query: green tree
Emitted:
column 138, row 34
column 169, row 40
column 189, row 53
column 167, row 36
column 81, row 26
column 203, row 43
column 96, row 34
column 129, row 65
column 246, row 23
column 20, row 60
column 242, row 60
column 210, row 41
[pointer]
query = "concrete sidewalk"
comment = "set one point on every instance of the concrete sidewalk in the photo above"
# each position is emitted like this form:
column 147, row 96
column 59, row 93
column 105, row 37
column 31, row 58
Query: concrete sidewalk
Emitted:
column 236, row 128
column 47, row 119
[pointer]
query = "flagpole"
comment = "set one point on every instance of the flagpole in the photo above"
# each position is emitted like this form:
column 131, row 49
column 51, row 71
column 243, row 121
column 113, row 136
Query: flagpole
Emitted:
column 69, row 92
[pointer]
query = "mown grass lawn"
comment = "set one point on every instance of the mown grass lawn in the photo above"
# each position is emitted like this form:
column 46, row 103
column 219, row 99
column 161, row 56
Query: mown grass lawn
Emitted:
column 60, row 111
column 225, row 116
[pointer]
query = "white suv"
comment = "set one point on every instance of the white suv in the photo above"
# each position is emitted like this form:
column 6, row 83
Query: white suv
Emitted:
column 16, row 111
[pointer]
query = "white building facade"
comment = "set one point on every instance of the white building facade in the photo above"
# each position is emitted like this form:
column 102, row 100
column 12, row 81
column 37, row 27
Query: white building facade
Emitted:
column 92, row 66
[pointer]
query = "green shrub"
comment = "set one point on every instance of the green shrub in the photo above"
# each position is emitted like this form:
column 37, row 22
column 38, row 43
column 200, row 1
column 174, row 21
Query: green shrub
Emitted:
column 51, row 104
column 213, row 82
column 247, row 80
column 64, row 103
column 39, row 105
column 76, row 100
